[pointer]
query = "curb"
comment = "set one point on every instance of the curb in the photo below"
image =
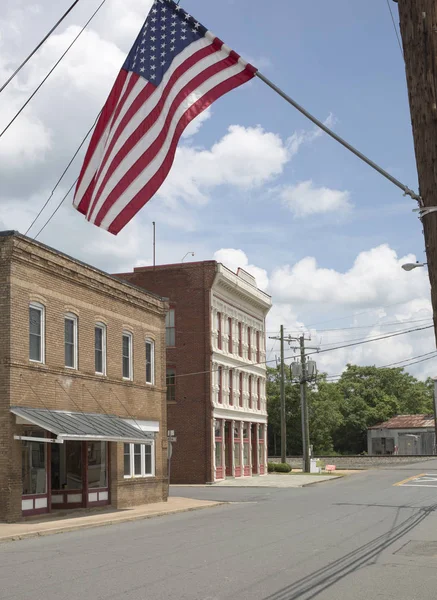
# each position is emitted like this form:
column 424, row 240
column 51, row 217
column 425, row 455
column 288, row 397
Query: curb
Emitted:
column 331, row 478
column 35, row 534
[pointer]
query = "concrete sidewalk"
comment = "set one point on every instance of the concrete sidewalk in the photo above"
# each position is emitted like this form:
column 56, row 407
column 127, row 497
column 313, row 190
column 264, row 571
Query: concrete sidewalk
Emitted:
column 52, row 524
column 276, row 481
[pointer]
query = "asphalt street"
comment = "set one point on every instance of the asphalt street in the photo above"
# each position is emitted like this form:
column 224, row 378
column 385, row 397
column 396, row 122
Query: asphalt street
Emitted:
column 353, row 538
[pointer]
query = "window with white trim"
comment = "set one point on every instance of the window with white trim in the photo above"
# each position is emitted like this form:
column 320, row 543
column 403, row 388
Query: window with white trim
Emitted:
column 139, row 460
column 150, row 361
column 100, row 348
column 170, row 329
column 36, row 332
column 70, row 341
column 127, row 363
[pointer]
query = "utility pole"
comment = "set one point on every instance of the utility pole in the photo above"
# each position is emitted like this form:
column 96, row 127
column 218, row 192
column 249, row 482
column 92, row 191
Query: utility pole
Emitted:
column 418, row 25
column 304, row 372
column 283, row 423
column 304, row 408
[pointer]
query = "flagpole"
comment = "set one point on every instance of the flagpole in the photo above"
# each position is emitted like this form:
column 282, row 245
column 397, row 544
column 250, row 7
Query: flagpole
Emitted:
column 154, row 245
column 336, row 137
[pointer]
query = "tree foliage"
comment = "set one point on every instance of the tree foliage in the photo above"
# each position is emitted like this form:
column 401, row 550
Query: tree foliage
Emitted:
column 340, row 412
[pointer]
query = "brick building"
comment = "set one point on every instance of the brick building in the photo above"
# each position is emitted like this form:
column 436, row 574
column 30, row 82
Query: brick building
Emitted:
column 82, row 385
column 216, row 374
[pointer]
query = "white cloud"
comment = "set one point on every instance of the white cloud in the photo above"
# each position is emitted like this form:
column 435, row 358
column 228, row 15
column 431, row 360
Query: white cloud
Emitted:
column 305, row 199
column 376, row 278
column 245, row 157
column 234, row 259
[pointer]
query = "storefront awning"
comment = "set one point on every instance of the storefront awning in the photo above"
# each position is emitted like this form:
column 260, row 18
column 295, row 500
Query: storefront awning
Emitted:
column 82, row 426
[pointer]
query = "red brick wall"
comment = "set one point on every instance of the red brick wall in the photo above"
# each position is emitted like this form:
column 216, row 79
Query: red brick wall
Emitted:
column 188, row 288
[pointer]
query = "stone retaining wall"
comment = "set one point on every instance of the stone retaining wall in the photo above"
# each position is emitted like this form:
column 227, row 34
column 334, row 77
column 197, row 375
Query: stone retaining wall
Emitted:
column 357, row 462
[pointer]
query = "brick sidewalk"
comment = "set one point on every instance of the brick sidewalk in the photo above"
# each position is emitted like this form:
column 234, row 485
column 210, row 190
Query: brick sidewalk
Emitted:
column 49, row 525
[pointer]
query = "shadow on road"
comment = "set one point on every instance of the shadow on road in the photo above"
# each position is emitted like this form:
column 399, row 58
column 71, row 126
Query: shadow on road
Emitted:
column 315, row 583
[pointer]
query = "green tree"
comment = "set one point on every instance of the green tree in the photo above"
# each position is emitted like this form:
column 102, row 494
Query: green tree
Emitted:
column 371, row 395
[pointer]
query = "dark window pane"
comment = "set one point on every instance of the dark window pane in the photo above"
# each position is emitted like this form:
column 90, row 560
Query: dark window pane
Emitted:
column 171, row 385
column 69, row 342
column 137, row 459
column 149, row 362
column 170, row 336
column 148, row 459
column 98, row 337
column 218, row 454
column 35, row 347
column 126, row 369
column 35, row 338
column 33, row 466
column 35, row 321
column 127, row 460
column 69, row 355
column 97, row 473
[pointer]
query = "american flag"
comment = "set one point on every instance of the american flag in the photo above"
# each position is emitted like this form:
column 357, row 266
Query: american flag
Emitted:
column 174, row 71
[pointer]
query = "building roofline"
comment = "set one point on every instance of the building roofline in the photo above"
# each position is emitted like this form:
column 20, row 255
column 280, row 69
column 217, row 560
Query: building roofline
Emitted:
column 30, row 241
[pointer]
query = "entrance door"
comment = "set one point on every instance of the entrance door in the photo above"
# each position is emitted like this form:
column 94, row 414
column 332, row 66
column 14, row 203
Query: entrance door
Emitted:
column 228, row 449
column 67, row 475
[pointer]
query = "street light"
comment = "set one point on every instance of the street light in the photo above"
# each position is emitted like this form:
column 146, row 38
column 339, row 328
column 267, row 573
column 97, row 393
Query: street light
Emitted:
column 192, row 254
column 411, row 266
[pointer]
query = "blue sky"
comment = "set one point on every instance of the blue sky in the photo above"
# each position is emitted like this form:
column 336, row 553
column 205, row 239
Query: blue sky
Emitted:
column 341, row 61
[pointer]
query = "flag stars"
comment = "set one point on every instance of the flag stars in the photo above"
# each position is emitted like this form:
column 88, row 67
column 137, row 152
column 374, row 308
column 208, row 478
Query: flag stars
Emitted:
column 163, row 63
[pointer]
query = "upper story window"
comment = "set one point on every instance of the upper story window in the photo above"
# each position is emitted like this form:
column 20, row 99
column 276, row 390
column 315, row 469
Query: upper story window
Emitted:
column 258, row 359
column 36, row 332
column 258, row 392
column 100, row 348
column 250, row 391
column 219, row 331
column 171, row 384
column 230, row 343
column 231, row 387
column 150, row 361
column 240, row 339
column 170, row 330
column 220, row 384
column 126, row 355
column 70, row 341
column 241, row 389
column 249, row 343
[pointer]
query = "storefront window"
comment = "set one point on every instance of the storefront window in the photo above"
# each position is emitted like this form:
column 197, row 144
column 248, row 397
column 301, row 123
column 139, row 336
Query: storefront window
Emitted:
column 261, row 446
column 218, row 429
column 246, row 454
column 97, row 464
column 34, row 465
column 237, row 451
column 218, row 454
column 245, row 431
column 67, row 466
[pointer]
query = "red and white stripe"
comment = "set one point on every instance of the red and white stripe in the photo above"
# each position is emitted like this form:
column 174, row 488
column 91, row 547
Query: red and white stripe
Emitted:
column 134, row 142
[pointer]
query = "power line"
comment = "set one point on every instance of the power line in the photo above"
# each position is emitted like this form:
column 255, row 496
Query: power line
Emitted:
column 384, row 337
column 18, row 69
column 265, row 362
column 428, row 355
column 377, row 324
column 360, row 339
column 395, row 28
column 57, row 208
column 52, row 69
column 60, row 179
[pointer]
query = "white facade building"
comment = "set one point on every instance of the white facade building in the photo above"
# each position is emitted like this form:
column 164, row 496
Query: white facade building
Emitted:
column 239, row 310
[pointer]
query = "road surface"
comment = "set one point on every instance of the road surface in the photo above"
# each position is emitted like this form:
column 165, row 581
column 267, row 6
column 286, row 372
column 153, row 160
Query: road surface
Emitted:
column 356, row 538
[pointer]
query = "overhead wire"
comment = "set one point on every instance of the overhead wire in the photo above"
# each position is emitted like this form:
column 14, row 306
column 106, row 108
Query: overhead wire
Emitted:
column 395, row 28
column 38, row 46
column 17, row 114
column 265, row 362
column 409, row 361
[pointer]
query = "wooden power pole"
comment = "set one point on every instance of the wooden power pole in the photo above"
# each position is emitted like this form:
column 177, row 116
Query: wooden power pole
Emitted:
column 418, row 24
